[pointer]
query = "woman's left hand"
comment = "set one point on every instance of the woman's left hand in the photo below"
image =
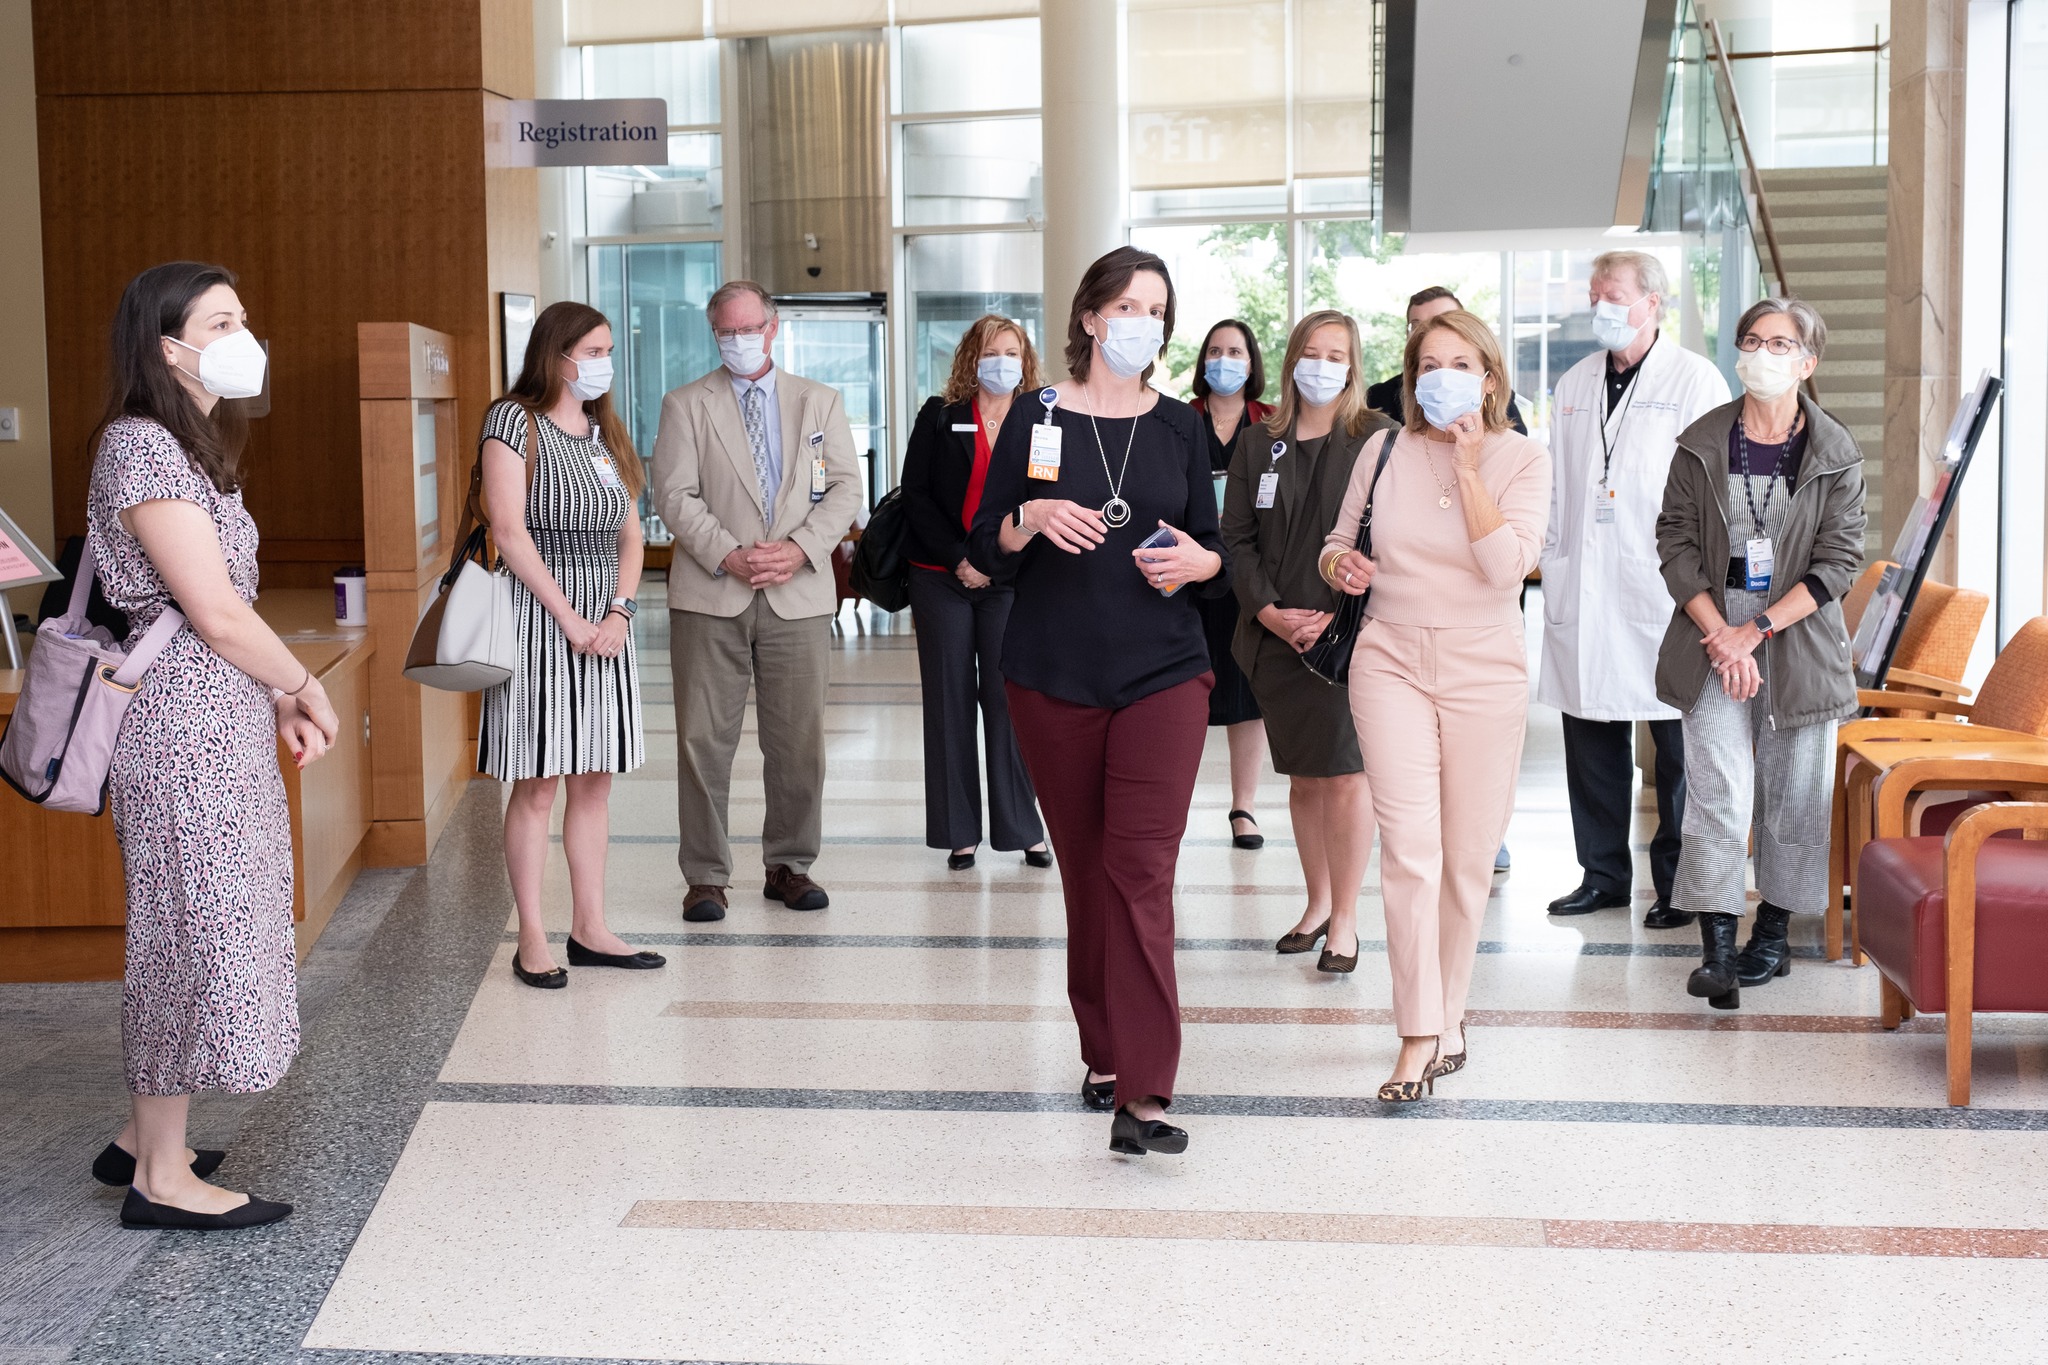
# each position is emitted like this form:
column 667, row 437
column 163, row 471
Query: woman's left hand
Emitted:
column 1309, row 631
column 299, row 733
column 611, row 636
column 1470, row 430
column 1729, row 643
column 1184, row 561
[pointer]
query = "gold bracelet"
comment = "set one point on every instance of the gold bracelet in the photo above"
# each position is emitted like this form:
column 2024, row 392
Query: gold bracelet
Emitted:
column 1329, row 564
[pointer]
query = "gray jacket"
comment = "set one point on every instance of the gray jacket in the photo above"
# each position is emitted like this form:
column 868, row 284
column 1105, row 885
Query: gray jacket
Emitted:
column 1806, row 666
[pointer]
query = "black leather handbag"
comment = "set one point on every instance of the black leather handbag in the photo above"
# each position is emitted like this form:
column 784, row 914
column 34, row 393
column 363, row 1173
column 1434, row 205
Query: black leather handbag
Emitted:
column 1329, row 658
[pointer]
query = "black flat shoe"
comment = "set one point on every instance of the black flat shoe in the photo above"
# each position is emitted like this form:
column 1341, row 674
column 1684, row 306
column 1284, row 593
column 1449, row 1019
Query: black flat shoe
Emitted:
column 1663, row 916
column 138, row 1212
column 547, row 981
column 1336, row 963
column 1253, row 840
column 1099, row 1095
column 1134, row 1136
column 959, row 862
column 1038, row 857
column 1291, row 942
column 1586, row 900
column 116, row 1167
column 642, row 961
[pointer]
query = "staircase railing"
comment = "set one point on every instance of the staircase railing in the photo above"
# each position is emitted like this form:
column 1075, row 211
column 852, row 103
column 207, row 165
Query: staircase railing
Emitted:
column 1725, row 89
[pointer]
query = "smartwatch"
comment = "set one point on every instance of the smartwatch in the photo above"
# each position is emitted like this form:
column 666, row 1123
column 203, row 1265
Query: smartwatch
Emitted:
column 1017, row 520
column 1763, row 625
column 625, row 606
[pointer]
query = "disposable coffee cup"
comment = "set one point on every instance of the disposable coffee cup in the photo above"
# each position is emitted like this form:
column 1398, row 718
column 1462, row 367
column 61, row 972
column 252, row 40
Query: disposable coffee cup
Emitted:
column 351, row 598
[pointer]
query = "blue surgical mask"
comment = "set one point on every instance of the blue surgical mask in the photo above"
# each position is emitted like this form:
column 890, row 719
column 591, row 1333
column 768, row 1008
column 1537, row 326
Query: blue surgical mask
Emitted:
column 999, row 374
column 1132, row 344
column 1447, row 395
column 1226, row 375
column 1319, row 381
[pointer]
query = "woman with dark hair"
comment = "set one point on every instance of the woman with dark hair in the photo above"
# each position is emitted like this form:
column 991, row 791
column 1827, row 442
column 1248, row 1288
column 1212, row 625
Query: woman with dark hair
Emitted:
column 1100, row 506
column 1229, row 380
column 561, row 481
column 958, row 610
column 210, row 1000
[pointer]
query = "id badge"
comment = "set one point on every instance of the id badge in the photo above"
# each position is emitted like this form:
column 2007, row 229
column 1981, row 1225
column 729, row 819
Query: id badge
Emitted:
column 818, row 478
column 1603, row 506
column 607, row 476
column 1045, row 451
column 1269, row 484
column 1759, row 570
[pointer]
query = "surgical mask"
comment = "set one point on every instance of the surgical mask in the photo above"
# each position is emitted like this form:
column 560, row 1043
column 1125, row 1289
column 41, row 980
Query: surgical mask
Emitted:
column 1447, row 395
column 1767, row 376
column 1319, row 381
column 999, row 374
column 1132, row 344
column 743, row 353
column 1226, row 375
column 1611, row 327
column 593, row 378
column 231, row 367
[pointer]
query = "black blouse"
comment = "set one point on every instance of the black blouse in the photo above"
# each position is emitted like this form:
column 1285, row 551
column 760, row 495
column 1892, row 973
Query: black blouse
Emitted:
column 1088, row 628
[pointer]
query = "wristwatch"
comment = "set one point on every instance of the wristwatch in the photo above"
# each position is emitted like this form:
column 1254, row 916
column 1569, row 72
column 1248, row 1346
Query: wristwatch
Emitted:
column 625, row 606
column 1017, row 520
column 1763, row 625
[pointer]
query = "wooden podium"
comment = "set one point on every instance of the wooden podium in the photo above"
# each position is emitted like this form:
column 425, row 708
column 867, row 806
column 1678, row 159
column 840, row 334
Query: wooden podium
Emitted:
column 424, row 746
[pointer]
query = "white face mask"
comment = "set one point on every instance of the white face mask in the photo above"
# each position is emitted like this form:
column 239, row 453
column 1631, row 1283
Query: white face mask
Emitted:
column 231, row 367
column 745, row 353
column 999, row 374
column 1319, row 381
column 1447, row 395
column 593, row 377
column 1767, row 376
column 1132, row 344
column 1611, row 325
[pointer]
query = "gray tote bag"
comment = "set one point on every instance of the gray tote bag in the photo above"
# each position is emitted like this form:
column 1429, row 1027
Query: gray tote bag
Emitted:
column 60, row 743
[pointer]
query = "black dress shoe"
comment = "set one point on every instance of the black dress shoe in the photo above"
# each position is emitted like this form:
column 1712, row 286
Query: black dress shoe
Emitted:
column 1038, row 857
column 138, row 1212
column 547, row 981
column 116, row 1167
column 1663, row 916
column 1252, row 840
column 1099, row 1095
column 1586, row 900
column 959, row 862
column 1134, row 1136
column 642, row 961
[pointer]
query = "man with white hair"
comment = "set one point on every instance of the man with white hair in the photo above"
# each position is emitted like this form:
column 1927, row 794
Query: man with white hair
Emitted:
column 1615, row 425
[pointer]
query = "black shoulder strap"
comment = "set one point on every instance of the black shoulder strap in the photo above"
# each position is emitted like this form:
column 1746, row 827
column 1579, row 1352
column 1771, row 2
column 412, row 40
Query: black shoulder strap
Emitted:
column 1365, row 518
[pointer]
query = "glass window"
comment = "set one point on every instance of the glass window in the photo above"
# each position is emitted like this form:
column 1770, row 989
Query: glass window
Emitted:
column 983, row 171
column 954, row 278
column 843, row 347
column 2023, row 476
column 1343, row 269
column 684, row 74
column 1221, row 270
column 687, row 195
column 658, row 290
column 957, row 68
column 1207, row 89
column 1333, row 75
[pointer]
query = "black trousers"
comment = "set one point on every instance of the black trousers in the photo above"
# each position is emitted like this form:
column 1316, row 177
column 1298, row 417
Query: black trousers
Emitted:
column 959, row 661
column 1599, row 759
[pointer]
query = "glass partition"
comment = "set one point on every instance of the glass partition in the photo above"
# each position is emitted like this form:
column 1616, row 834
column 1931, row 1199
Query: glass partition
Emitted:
column 954, row 278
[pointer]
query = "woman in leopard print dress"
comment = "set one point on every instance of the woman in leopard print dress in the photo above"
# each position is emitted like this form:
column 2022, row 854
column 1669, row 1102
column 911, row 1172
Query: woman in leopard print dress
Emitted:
column 210, row 998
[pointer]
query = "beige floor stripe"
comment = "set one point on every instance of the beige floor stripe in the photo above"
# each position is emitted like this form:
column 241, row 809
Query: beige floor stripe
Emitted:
column 1353, row 1228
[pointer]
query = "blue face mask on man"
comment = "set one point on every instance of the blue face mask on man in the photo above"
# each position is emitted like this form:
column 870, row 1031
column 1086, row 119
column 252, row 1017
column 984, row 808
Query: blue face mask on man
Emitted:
column 1447, row 395
column 1226, row 374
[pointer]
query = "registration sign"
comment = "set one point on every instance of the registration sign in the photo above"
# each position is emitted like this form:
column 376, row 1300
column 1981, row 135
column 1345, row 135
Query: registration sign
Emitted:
column 576, row 133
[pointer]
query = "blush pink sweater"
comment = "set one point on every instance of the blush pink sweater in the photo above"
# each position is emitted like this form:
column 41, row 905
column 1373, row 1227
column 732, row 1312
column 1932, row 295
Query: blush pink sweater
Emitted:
column 1429, row 571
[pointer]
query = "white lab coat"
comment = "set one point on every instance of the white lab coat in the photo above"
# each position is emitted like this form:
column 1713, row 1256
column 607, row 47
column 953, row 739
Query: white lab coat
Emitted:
column 1605, row 607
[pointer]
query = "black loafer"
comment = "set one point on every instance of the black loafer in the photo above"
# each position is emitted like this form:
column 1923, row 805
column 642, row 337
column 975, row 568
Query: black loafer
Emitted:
column 116, row 1167
column 1662, row 916
column 1586, row 900
column 1038, row 857
column 1098, row 1095
column 959, row 862
column 546, row 981
column 138, row 1212
column 642, row 961
column 1134, row 1136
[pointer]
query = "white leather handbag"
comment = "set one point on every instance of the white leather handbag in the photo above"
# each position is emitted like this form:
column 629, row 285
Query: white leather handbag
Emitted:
column 466, row 640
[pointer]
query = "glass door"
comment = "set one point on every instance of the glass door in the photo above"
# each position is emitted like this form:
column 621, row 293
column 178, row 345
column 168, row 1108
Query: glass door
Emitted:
column 847, row 348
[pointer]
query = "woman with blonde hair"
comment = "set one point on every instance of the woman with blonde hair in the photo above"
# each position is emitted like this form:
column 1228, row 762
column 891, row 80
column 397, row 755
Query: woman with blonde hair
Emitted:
column 1288, row 476
column 560, row 482
column 960, row 612
column 1440, row 674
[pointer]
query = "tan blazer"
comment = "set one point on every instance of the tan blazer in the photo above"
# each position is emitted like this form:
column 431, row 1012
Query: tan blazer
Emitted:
column 705, row 489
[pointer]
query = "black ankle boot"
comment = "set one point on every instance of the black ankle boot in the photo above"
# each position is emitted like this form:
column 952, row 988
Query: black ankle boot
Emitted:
column 1769, row 953
column 1714, row 979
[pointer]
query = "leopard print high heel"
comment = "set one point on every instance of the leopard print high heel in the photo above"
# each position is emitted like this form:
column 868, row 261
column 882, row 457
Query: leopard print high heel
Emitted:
column 1408, row 1092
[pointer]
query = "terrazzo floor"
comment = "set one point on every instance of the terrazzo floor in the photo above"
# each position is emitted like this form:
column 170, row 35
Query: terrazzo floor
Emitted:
column 852, row 1136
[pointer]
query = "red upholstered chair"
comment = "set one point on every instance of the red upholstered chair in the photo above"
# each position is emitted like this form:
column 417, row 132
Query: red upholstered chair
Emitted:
column 1960, row 924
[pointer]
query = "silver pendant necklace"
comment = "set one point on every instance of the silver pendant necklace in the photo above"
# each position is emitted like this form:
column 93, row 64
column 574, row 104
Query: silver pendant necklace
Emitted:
column 1116, row 511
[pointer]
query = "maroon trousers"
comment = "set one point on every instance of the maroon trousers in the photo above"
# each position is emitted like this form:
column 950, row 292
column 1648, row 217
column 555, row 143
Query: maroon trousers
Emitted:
column 1114, row 787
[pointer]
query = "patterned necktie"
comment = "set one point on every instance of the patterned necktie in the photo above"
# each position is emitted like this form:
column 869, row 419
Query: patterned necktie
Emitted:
column 755, row 411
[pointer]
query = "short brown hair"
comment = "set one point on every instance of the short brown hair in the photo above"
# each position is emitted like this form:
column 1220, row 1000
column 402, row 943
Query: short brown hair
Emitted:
column 964, row 382
column 1431, row 295
column 1255, row 381
column 1103, row 283
column 1471, row 329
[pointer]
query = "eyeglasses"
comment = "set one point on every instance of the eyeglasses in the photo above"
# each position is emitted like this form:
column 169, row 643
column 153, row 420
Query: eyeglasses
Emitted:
column 1775, row 345
column 728, row 333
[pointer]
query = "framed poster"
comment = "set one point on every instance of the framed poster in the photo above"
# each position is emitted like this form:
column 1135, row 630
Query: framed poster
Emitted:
column 22, row 565
column 515, row 324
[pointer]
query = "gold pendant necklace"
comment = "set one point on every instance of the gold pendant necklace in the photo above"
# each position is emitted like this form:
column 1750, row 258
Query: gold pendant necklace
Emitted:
column 1442, row 487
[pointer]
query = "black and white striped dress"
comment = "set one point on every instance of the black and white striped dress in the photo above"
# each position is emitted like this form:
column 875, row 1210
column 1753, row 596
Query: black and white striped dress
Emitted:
column 564, row 713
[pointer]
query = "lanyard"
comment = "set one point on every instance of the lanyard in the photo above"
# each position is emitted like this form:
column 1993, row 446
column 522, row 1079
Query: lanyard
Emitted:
column 1628, row 400
column 1770, row 487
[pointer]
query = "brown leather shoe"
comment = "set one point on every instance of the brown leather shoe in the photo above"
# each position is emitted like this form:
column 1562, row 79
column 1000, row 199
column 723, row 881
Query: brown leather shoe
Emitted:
column 794, row 889
column 703, row 904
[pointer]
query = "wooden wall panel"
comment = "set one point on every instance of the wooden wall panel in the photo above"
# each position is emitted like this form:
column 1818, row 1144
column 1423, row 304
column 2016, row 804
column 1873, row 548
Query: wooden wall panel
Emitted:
column 508, row 53
column 133, row 46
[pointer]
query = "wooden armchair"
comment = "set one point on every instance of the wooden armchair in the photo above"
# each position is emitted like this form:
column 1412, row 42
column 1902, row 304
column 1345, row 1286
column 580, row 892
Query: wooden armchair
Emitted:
column 1935, row 649
column 2008, row 723
column 1860, row 592
column 1960, row 924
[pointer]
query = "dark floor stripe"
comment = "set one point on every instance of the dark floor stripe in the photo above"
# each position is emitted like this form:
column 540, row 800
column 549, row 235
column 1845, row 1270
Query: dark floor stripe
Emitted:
column 1265, row 1106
